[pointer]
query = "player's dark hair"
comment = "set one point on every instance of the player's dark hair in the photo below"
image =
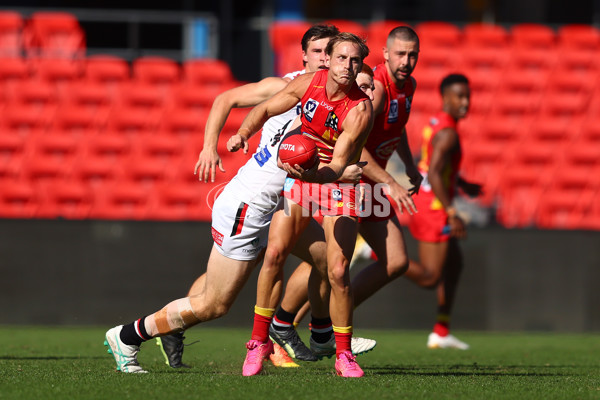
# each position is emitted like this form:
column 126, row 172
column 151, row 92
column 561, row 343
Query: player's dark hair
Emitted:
column 404, row 33
column 317, row 32
column 348, row 37
column 367, row 70
column 451, row 79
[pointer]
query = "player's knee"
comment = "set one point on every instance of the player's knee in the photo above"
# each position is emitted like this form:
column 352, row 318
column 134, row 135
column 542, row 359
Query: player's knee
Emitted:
column 398, row 268
column 339, row 276
column 274, row 255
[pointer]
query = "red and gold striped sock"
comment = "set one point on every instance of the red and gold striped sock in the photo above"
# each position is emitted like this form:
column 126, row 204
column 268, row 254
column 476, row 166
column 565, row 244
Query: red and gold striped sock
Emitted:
column 262, row 320
column 343, row 339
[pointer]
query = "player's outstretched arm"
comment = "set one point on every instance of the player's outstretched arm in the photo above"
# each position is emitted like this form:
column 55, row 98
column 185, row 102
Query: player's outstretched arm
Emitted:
column 282, row 101
column 399, row 194
column 243, row 96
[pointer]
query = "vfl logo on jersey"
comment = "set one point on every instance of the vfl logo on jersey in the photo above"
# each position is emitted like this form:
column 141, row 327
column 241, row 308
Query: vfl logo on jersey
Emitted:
column 288, row 184
column 408, row 103
column 309, row 109
column 336, row 194
column 332, row 121
column 393, row 113
column 386, row 149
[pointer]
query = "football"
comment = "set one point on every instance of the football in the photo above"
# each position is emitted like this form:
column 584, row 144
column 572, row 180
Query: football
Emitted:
column 298, row 149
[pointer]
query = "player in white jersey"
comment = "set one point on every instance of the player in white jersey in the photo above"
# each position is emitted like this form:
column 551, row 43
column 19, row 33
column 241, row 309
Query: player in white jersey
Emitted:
column 212, row 295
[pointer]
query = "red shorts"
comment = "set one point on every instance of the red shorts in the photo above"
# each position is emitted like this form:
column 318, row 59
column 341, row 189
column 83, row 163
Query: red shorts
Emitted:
column 428, row 225
column 376, row 205
column 330, row 199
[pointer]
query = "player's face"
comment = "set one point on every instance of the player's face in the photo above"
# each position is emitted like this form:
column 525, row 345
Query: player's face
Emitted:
column 314, row 57
column 457, row 98
column 344, row 63
column 401, row 59
column 366, row 84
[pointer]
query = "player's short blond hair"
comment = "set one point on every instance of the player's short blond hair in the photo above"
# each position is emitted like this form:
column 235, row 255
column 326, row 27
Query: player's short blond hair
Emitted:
column 348, row 37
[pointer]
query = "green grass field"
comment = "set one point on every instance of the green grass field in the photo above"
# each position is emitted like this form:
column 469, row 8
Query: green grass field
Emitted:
column 72, row 363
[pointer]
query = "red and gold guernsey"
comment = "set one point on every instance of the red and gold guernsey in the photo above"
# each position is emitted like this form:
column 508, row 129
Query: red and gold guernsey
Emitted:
column 322, row 121
column 322, row 118
column 387, row 127
column 438, row 122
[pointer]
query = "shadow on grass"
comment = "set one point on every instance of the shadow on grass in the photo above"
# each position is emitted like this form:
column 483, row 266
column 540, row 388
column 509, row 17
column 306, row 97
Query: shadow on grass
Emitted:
column 472, row 370
column 51, row 358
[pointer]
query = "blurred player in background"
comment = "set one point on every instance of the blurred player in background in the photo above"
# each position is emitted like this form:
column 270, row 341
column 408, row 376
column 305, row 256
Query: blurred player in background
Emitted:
column 437, row 226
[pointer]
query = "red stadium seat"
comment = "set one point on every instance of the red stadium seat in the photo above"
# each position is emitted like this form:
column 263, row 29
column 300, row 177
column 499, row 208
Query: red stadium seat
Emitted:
column 158, row 71
column 58, row 72
column 436, row 34
column 285, row 36
column 289, row 60
column 181, row 202
column 579, row 36
column 132, row 121
column 59, row 147
column 183, row 122
column 520, row 191
column 12, row 71
column 162, row 149
column 12, row 148
column 568, row 196
column 483, row 162
column 94, row 171
column 107, row 70
column 346, row 25
column 190, row 98
column 121, row 201
column 483, row 60
column 95, row 97
column 440, row 61
column 485, row 36
column 18, row 199
column 109, row 145
column 34, row 93
column 11, row 34
column 581, row 154
column 141, row 95
column 145, row 171
column 54, row 35
column 68, row 199
column 77, row 120
column 24, row 120
column 43, row 171
column 377, row 34
column 207, row 72
column 533, row 36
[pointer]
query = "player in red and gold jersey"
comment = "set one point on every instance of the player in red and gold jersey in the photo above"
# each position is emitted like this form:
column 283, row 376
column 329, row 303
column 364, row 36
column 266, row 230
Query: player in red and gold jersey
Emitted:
column 437, row 226
column 338, row 116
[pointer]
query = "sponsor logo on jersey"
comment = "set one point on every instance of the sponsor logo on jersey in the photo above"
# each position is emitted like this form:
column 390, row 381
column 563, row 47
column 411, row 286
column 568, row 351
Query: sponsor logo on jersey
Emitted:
column 408, row 104
column 393, row 113
column 262, row 156
column 332, row 121
column 336, row 194
column 340, row 204
column 386, row 149
column 288, row 184
column 328, row 107
column 309, row 109
column 217, row 236
column 351, row 206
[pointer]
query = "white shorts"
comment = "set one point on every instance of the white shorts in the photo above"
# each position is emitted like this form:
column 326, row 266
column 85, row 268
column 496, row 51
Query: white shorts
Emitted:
column 239, row 231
